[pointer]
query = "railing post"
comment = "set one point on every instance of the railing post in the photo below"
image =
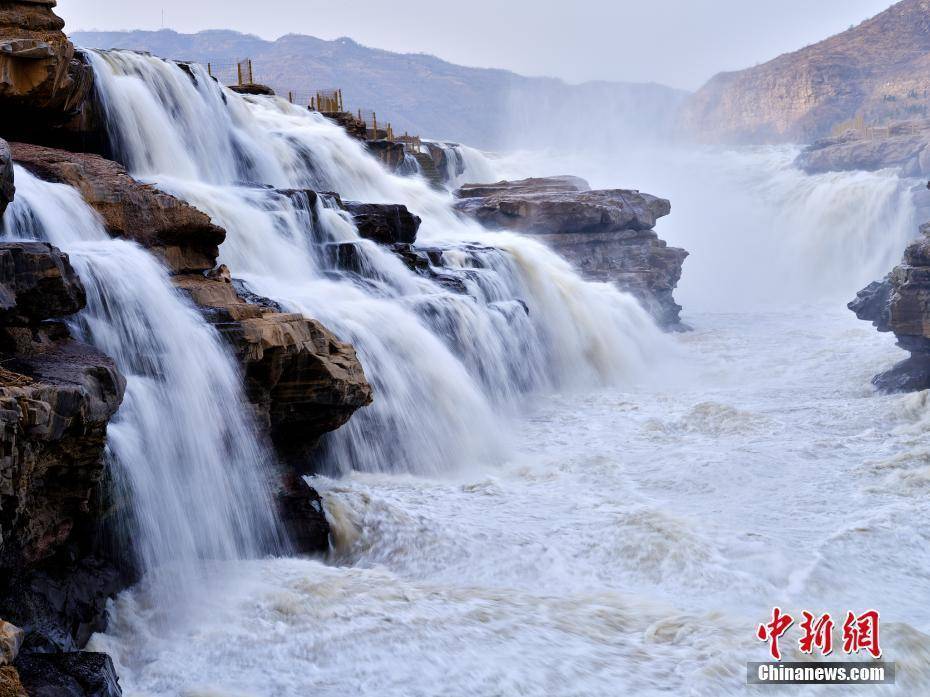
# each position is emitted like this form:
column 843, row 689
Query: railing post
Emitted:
column 239, row 71
column 210, row 69
column 251, row 76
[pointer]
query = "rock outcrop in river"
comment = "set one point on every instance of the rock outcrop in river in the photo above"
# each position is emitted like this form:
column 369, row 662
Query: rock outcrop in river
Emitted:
column 608, row 235
column 901, row 145
column 900, row 303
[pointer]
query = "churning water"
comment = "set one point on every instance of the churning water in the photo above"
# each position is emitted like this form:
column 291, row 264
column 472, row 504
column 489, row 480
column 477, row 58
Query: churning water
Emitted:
column 560, row 502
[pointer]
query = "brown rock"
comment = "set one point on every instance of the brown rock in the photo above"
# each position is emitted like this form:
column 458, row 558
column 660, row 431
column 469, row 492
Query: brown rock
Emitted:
column 901, row 145
column 877, row 70
column 56, row 398
column 44, row 86
column 181, row 235
column 301, row 379
column 607, row 235
column 11, row 638
column 10, row 684
column 558, row 206
column 901, row 304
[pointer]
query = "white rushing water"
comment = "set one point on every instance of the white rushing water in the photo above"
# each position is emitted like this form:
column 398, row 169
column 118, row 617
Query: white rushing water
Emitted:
column 188, row 470
column 557, row 503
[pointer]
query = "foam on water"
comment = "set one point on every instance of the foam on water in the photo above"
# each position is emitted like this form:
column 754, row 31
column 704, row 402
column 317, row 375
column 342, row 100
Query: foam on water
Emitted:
column 636, row 532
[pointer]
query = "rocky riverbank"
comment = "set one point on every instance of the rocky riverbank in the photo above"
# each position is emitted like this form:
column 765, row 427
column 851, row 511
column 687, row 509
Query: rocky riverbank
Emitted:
column 900, row 303
column 608, row 235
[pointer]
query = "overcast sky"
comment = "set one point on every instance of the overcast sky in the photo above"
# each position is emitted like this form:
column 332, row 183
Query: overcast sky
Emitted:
column 676, row 42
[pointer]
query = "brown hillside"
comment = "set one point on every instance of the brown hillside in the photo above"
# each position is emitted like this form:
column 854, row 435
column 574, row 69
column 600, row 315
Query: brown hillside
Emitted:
column 879, row 70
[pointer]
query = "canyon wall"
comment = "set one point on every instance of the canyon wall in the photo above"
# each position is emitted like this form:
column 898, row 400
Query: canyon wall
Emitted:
column 876, row 71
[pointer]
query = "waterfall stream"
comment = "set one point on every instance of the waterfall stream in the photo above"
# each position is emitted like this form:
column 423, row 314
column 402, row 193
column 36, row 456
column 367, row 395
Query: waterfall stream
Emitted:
column 443, row 365
column 183, row 451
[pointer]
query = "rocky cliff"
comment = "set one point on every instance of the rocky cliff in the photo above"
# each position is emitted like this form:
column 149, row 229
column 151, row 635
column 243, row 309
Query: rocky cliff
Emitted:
column 900, row 303
column 608, row 235
column 877, row 70
column 46, row 88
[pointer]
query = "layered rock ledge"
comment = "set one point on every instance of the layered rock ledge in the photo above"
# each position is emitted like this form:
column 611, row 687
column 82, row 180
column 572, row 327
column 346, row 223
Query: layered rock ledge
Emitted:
column 46, row 87
column 301, row 380
column 57, row 396
column 902, row 145
column 900, row 303
column 607, row 234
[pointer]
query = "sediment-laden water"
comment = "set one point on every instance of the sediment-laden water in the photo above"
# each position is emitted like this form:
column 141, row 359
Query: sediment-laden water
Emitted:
column 567, row 503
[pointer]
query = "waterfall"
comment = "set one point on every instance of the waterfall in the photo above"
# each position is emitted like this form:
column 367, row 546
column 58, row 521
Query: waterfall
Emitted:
column 189, row 474
column 444, row 365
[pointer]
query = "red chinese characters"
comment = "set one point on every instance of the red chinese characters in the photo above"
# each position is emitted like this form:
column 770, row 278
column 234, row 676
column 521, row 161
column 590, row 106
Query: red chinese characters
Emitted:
column 818, row 633
column 861, row 633
column 772, row 631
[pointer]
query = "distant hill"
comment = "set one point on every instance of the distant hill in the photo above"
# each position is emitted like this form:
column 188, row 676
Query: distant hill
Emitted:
column 878, row 70
column 419, row 93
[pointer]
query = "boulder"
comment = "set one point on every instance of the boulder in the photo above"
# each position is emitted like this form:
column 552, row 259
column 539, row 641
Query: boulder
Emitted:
column 383, row 222
column 46, row 88
column 182, row 236
column 11, row 638
column 76, row 674
column 6, row 176
column 607, row 235
column 300, row 509
column 302, row 381
column 390, row 154
column 37, row 283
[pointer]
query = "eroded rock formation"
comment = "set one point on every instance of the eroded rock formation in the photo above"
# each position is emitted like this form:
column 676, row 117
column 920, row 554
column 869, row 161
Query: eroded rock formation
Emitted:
column 182, row 236
column 57, row 396
column 608, row 235
column 900, row 303
column 46, row 89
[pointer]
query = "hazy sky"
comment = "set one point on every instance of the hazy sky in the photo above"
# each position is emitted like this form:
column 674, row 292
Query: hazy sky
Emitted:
column 676, row 42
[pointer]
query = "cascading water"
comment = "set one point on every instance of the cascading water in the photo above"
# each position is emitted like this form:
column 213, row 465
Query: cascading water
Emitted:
column 183, row 453
column 638, row 534
column 441, row 362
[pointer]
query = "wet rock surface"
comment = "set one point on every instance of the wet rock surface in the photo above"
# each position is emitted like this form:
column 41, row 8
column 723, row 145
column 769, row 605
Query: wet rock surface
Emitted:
column 77, row 674
column 57, row 396
column 37, row 283
column 607, row 235
column 7, row 189
column 900, row 303
column 184, row 237
column 384, row 223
